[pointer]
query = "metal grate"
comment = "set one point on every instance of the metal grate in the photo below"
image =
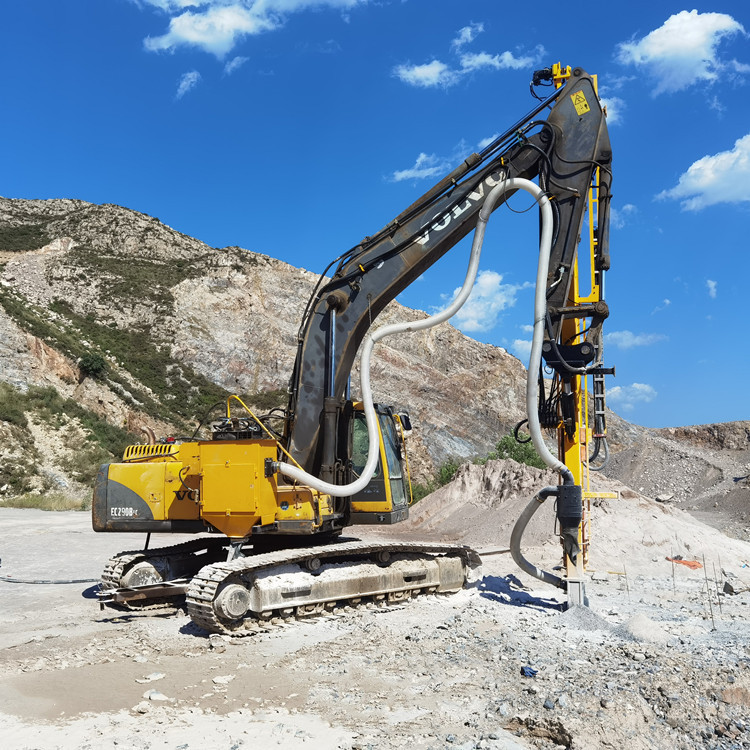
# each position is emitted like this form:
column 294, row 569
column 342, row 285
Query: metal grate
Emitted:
column 135, row 452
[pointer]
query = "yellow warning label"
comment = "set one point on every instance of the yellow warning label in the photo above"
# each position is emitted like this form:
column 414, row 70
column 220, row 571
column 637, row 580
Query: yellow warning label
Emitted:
column 580, row 103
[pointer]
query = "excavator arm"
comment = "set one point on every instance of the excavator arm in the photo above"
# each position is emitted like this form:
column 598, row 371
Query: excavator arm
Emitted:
column 565, row 152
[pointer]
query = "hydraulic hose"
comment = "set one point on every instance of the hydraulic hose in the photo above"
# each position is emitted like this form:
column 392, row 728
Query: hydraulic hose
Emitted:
column 372, row 338
column 600, row 443
column 537, row 339
column 567, row 493
column 517, row 533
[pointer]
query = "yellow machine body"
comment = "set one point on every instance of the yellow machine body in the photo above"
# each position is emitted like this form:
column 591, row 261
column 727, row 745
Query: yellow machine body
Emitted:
column 223, row 486
column 213, row 485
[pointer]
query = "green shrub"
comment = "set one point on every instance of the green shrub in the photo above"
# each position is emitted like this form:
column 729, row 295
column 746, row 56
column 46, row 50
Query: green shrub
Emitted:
column 507, row 447
column 420, row 490
column 46, row 402
column 16, row 475
column 267, row 400
column 49, row 501
column 11, row 408
column 444, row 474
column 92, row 365
column 447, row 471
column 523, row 453
column 83, row 464
column 27, row 237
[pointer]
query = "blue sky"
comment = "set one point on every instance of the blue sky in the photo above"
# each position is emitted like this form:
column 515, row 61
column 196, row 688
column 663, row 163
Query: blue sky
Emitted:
column 296, row 127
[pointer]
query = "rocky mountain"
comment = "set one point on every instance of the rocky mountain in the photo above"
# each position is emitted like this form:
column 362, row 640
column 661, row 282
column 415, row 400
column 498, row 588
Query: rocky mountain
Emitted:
column 704, row 469
column 113, row 322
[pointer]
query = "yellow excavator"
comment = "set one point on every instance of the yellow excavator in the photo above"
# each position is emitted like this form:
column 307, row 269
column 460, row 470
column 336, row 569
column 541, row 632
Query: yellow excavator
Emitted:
column 275, row 491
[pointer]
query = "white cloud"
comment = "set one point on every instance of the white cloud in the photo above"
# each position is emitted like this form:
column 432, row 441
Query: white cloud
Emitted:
column 683, row 50
column 216, row 29
column 615, row 107
column 711, row 285
column 188, row 82
column 426, row 165
column 504, row 61
column 467, row 35
column 522, row 349
column 234, row 64
column 721, row 178
column 329, row 47
column 431, row 165
column 628, row 339
column 439, row 73
column 216, row 26
column 486, row 141
column 429, row 75
column 618, row 216
column 663, row 306
column 628, row 396
column 488, row 299
column 172, row 5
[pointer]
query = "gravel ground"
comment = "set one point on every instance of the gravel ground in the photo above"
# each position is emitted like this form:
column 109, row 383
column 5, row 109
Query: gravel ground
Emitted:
column 655, row 662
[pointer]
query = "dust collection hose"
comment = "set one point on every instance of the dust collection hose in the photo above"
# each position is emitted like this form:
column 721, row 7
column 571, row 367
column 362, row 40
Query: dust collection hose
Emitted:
column 372, row 338
column 517, row 533
column 568, row 494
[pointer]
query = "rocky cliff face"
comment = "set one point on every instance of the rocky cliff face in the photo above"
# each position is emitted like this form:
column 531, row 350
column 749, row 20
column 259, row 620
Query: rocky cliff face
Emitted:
column 171, row 324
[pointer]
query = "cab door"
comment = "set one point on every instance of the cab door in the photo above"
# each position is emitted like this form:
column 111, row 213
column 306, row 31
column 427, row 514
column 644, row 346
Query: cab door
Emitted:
column 385, row 499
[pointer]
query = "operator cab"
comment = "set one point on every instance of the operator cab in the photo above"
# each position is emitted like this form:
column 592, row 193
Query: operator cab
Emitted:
column 387, row 497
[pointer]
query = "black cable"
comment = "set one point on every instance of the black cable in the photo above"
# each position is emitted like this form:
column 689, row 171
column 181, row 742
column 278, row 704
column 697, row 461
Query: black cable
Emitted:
column 8, row 579
column 517, row 428
column 352, row 253
column 567, row 367
column 532, row 85
column 576, row 335
column 586, row 161
column 520, row 211
column 279, row 436
column 205, row 417
column 605, row 460
column 187, row 489
column 593, row 456
column 545, row 178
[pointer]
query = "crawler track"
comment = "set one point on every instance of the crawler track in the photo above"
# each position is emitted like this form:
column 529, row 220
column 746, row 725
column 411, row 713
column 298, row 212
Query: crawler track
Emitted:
column 208, row 583
column 169, row 561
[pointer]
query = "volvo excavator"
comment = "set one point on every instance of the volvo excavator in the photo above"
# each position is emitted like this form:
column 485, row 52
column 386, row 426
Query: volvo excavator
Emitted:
column 270, row 495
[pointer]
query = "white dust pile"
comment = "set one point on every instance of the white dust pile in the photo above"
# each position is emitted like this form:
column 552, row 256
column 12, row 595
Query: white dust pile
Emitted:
column 482, row 503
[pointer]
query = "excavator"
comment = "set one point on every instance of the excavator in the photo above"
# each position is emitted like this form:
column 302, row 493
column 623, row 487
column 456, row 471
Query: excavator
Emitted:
column 270, row 495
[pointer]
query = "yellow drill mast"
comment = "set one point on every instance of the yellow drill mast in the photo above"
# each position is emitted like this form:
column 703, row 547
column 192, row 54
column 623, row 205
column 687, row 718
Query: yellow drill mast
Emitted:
column 574, row 444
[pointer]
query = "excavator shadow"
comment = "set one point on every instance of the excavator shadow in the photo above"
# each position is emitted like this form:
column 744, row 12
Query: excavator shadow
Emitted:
column 121, row 613
column 509, row 590
column 90, row 592
column 190, row 628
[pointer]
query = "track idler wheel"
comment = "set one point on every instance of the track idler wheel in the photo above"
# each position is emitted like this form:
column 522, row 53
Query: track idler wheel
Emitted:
column 141, row 574
column 232, row 602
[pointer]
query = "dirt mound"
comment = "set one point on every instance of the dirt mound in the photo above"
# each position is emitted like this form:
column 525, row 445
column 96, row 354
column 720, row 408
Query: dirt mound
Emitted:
column 637, row 532
column 632, row 531
column 481, row 504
